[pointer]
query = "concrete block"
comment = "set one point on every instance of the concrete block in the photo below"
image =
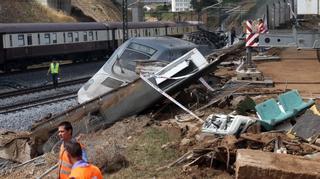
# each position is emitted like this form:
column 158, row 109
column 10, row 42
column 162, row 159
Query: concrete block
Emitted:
column 258, row 164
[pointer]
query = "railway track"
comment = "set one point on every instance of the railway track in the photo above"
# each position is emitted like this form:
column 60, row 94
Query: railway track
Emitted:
column 37, row 102
column 30, row 102
column 42, row 88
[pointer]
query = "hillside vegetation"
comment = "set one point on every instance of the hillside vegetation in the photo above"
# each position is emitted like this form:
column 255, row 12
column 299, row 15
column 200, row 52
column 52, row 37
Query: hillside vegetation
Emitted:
column 14, row 11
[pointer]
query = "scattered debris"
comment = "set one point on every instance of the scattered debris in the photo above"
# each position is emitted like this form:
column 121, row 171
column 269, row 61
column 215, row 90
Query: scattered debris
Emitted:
column 227, row 124
column 238, row 147
column 243, row 105
column 307, row 127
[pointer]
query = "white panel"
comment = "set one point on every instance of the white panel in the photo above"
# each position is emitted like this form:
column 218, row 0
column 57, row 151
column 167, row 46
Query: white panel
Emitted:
column 6, row 41
column 308, row 6
column 35, row 39
column 110, row 34
column 181, row 63
column 102, row 35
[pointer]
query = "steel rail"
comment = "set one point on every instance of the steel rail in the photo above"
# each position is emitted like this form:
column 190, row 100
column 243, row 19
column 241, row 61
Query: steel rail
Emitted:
column 43, row 101
column 42, row 88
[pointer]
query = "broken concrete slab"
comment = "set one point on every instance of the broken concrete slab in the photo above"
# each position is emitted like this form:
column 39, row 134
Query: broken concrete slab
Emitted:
column 15, row 146
column 258, row 164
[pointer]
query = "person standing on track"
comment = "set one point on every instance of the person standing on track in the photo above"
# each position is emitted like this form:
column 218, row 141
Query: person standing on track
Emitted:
column 54, row 69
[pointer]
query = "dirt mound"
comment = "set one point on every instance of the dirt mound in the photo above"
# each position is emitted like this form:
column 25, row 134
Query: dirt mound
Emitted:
column 98, row 10
column 29, row 11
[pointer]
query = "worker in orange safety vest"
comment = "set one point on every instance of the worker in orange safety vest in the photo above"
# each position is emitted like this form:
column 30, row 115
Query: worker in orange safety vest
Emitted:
column 80, row 169
column 64, row 166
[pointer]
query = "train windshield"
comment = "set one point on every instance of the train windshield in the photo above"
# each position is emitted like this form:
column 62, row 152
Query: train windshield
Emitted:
column 132, row 53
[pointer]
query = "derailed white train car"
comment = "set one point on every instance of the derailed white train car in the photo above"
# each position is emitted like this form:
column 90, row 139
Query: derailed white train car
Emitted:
column 120, row 68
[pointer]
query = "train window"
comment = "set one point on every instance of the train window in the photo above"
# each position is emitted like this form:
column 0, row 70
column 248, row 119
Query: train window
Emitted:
column 21, row 40
column 142, row 48
column 91, row 36
column 64, row 37
column 54, row 38
column 46, row 39
column 76, row 36
column 70, row 37
column 156, row 31
column 96, row 35
column 10, row 38
column 85, row 36
column 128, row 57
column 29, row 39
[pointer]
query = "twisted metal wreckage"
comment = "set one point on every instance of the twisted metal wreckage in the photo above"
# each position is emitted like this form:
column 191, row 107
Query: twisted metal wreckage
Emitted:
column 114, row 105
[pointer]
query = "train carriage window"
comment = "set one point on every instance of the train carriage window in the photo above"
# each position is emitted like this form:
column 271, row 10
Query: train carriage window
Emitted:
column 21, row 40
column 64, row 37
column 91, row 36
column 85, row 36
column 29, row 39
column 70, row 37
column 46, row 39
column 96, row 35
column 10, row 38
column 76, row 36
column 54, row 38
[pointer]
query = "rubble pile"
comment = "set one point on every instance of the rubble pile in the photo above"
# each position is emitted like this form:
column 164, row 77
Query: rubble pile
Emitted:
column 223, row 128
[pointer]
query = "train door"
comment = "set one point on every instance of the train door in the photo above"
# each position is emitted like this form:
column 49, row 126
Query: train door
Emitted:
column 2, row 49
column 113, row 39
column 28, row 49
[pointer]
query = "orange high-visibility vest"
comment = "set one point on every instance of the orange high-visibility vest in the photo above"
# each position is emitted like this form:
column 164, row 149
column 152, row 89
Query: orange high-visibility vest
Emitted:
column 87, row 172
column 65, row 164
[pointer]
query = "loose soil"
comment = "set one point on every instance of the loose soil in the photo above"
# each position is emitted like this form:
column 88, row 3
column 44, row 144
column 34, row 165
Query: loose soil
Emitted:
column 299, row 66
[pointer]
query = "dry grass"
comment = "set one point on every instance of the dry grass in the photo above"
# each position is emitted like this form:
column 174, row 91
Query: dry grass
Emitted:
column 57, row 16
column 145, row 156
column 16, row 11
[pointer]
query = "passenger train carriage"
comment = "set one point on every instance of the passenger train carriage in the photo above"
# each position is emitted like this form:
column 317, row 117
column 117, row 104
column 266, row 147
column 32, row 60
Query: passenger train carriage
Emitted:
column 31, row 43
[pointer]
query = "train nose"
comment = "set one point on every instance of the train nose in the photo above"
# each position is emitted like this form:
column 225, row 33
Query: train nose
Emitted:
column 82, row 96
column 83, row 92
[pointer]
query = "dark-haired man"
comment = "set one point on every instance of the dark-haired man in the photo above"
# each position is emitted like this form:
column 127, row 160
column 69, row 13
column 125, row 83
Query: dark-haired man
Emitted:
column 65, row 133
column 80, row 169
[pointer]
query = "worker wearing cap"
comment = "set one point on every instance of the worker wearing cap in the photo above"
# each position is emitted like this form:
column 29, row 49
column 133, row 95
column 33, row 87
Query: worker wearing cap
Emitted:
column 65, row 164
column 80, row 169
